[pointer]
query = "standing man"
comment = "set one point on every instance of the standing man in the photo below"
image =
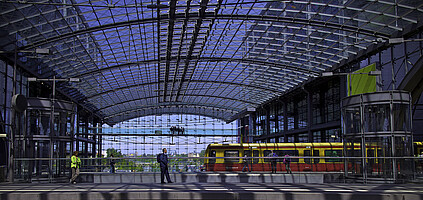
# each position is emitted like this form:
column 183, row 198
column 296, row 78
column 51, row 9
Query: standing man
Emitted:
column 246, row 163
column 112, row 164
column 75, row 165
column 162, row 159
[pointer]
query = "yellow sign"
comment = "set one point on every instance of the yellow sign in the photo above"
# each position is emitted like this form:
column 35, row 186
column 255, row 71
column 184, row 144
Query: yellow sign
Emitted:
column 360, row 81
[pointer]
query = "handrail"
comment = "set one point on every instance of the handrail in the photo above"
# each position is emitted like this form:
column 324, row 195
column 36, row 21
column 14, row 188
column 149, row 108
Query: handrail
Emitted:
column 291, row 157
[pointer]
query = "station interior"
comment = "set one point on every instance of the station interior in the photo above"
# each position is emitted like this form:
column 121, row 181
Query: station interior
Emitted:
column 211, row 81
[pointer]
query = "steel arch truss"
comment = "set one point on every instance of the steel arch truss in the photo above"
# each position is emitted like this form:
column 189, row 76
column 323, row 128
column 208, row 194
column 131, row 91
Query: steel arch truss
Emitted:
column 208, row 57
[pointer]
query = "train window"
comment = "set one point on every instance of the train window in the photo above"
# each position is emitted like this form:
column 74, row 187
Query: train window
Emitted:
column 333, row 153
column 282, row 153
column 255, row 154
column 212, row 154
column 371, row 153
column 307, row 153
column 248, row 153
column 267, row 153
column 231, row 153
column 317, row 154
column 379, row 154
column 353, row 153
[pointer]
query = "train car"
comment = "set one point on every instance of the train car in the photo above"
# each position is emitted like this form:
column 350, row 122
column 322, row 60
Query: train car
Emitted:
column 281, row 149
column 328, row 150
column 418, row 149
column 418, row 152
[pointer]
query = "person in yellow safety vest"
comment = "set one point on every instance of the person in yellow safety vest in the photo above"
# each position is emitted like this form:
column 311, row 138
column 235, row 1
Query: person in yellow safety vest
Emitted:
column 75, row 165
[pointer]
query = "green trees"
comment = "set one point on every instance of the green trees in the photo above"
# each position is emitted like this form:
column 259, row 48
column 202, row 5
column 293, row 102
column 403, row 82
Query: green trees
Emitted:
column 115, row 152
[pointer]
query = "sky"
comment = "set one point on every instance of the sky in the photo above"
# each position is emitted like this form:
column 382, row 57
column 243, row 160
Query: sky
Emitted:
column 139, row 145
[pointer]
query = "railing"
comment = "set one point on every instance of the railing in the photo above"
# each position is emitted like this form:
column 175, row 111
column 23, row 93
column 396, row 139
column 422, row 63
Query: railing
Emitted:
column 374, row 167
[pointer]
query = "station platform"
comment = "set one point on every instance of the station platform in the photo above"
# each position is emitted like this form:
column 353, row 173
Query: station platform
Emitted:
column 212, row 177
column 209, row 191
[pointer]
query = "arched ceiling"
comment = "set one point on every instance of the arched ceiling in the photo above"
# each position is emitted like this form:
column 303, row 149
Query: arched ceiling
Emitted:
column 208, row 57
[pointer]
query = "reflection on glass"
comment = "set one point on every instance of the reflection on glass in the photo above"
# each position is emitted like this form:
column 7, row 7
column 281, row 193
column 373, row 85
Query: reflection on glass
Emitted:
column 352, row 119
column 377, row 118
column 401, row 119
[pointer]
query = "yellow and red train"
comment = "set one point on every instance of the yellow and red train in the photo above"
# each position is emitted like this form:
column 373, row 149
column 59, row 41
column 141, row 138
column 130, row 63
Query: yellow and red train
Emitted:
column 328, row 150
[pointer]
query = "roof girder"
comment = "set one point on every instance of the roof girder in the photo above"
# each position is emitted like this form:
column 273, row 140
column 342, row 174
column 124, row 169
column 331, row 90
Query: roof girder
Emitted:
column 207, row 15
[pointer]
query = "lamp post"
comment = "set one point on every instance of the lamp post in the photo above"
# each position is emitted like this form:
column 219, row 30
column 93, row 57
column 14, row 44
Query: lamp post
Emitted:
column 52, row 132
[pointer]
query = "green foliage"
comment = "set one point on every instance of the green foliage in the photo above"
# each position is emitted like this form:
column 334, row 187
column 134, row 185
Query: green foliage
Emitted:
column 203, row 153
column 115, row 152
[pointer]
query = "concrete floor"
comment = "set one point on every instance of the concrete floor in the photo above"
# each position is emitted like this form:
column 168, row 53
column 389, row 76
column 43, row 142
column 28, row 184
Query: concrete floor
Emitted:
column 220, row 191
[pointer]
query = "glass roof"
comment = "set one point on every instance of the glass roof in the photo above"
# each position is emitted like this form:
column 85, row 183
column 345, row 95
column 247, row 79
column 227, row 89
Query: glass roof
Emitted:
column 209, row 57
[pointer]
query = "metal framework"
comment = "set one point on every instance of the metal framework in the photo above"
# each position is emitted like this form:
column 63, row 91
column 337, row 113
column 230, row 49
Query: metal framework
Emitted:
column 208, row 57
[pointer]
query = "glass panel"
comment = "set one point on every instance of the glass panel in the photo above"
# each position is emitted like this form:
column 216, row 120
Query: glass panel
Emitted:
column 290, row 115
column 306, row 154
column 282, row 153
column 302, row 112
column 303, row 137
column 2, row 95
column 352, row 119
column 377, row 118
column 2, row 66
column 401, row 114
column 316, row 154
column 272, row 126
column 333, row 135
column 255, row 154
column 212, row 154
column 317, row 137
column 291, row 138
column 333, row 153
column 231, row 153
column 248, row 153
column 280, row 118
column 267, row 153
column 317, row 107
column 371, row 161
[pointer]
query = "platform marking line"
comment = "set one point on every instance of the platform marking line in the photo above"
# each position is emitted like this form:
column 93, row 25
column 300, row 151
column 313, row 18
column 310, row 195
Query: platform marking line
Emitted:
column 209, row 189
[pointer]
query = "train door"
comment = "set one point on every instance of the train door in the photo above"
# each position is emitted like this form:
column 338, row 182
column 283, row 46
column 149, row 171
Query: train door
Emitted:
column 311, row 163
column 212, row 154
column 212, row 162
column 252, row 161
column 307, row 161
column 266, row 162
column 232, row 164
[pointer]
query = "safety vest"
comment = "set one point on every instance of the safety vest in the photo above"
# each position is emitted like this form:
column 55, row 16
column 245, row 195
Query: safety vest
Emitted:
column 75, row 162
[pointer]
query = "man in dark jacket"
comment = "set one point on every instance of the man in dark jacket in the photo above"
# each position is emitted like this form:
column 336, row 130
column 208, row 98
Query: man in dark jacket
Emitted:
column 112, row 164
column 162, row 159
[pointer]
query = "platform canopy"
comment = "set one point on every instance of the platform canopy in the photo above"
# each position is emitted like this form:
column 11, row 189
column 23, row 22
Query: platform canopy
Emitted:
column 216, row 58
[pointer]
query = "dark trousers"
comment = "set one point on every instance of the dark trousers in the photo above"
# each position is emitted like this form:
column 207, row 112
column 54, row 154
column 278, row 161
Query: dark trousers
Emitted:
column 273, row 163
column 288, row 168
column 246, row 166
column 112, row 168
column 164, row 172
